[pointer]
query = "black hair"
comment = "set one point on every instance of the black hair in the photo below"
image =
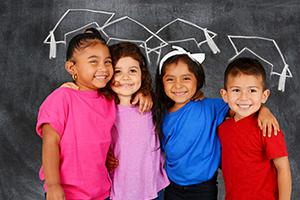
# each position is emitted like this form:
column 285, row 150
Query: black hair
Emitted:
column 162, row 101
column 83, row 40
column 245, row 65
column 128, row 49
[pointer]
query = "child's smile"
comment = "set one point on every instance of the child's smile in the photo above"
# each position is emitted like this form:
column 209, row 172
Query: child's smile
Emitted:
column 179, row 84
column 244, row 94
column 127, row 79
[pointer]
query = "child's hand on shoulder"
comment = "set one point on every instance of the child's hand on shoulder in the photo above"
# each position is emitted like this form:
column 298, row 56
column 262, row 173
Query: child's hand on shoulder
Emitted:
column 55, row 192
column 70, row 85
column 145, row 102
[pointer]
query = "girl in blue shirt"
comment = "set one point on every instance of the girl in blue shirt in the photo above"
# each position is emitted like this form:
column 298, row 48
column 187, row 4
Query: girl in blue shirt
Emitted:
column 188, row 128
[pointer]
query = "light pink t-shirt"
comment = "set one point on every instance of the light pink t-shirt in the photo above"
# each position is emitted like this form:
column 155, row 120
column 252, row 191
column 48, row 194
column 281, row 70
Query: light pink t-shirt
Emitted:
column 83, row 119
column 140, row 173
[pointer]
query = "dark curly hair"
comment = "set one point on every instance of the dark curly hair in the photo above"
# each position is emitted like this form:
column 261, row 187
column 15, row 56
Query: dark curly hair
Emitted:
column 128, row 49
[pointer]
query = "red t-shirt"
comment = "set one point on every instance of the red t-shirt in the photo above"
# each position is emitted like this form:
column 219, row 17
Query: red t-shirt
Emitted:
column 247, row 166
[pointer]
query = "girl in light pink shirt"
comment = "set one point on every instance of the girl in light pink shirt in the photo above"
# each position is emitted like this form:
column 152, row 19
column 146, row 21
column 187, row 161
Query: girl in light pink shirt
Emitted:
column 140, row 173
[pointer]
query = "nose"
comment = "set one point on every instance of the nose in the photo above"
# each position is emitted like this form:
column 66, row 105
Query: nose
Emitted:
column 101, row 67
column 244, row 95
column 177, row 84
column 125, row 76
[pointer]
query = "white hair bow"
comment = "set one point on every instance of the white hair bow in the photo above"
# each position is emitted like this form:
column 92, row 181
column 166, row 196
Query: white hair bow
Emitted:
column 197, row 57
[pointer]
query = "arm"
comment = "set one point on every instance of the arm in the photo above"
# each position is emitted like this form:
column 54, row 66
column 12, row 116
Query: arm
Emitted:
column 283, row 177
column 50, row 162
column 145, row 101
column 267, row 121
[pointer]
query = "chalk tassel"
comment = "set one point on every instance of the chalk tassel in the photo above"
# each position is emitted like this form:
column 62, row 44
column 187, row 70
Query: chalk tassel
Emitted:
column 282, row 79
column 52, row 53
column 212, row 45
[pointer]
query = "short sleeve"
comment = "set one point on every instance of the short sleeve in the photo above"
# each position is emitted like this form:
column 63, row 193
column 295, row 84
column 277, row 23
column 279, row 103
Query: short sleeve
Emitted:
column 221, row 109
column 275, row 146
column 52, row 111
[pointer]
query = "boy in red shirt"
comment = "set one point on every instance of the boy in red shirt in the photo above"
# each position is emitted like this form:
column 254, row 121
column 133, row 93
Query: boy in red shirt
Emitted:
column 253, row 166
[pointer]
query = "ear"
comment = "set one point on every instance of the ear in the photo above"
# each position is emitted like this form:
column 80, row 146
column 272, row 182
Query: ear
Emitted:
column 265, row 95
column 223, row 93
column 70, row 67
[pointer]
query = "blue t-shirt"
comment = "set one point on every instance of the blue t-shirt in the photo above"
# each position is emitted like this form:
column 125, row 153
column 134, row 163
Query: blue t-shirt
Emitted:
column 190, row 141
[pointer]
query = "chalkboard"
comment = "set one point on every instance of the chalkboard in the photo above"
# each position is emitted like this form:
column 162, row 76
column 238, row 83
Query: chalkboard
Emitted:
column 268, row 29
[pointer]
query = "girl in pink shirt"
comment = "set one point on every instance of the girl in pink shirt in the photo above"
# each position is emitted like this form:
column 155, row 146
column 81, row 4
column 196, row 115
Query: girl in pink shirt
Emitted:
column 75, row 125
column 140, row 173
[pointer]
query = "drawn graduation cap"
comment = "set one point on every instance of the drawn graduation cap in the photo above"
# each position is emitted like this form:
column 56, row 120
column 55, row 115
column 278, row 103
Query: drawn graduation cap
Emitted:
column 265, row 49
column 183, row 31
column 74, row 20
column 130, row 30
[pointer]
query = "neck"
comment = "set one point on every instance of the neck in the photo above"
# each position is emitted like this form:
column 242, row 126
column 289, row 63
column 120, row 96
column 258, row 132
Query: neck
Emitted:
column 125, row 101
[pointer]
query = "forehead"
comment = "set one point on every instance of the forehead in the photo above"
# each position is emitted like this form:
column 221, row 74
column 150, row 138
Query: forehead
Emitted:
column 178, row 68
column 95, row 48
column 127, row 61
column 245, row 79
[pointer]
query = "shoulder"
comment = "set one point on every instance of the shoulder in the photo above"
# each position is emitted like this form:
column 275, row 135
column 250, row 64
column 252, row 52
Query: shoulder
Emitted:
column 59, row 97
column 60, row 93
column 226, row 124
column 214, row 101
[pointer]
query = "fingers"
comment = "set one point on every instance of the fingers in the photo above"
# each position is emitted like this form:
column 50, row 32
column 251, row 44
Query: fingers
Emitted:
column 111, row 161
column 268, row 128
column 276, row 127
column 142, row 105
column 70, row 85
column 136, row 99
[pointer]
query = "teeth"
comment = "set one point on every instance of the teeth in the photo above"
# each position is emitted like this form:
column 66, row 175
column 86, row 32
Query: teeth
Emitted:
column 179, row 93
column 126, row 85
column 100, row 77
column 243, row 105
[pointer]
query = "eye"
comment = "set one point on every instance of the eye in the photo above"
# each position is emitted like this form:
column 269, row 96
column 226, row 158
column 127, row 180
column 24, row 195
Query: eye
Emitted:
column 235, row 90
column 169, row 79
column 186, row 78
column 253, row 90
column 133, row 71
column 93, row 62
column 108, row 62
column 117, row 71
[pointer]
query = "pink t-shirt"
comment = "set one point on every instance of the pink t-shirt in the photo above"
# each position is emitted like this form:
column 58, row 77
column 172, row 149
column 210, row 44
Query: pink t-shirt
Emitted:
column 140, row 173
column 83, row 119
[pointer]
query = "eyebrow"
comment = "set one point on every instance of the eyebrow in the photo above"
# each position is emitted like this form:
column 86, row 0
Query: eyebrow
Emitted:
column 133, row 66
column 180, row 75
column 94, row 56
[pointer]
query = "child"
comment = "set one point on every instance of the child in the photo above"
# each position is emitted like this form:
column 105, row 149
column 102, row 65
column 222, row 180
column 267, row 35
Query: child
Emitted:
column 75, row 125
column 188, row 128
column 254, row 167
column 140, row 173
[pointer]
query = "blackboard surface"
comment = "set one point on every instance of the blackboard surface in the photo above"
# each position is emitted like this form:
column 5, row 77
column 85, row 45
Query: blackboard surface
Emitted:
column 28, row 75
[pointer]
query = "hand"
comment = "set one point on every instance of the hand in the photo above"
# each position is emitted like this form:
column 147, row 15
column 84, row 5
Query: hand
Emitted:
column 70, row 85
column 55, row 192
column 111, row 162
column 267, row 122
column 198, row 96
column 145, row 102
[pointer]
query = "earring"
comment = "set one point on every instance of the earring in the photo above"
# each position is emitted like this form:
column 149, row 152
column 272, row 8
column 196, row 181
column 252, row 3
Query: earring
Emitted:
column 74, row 77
